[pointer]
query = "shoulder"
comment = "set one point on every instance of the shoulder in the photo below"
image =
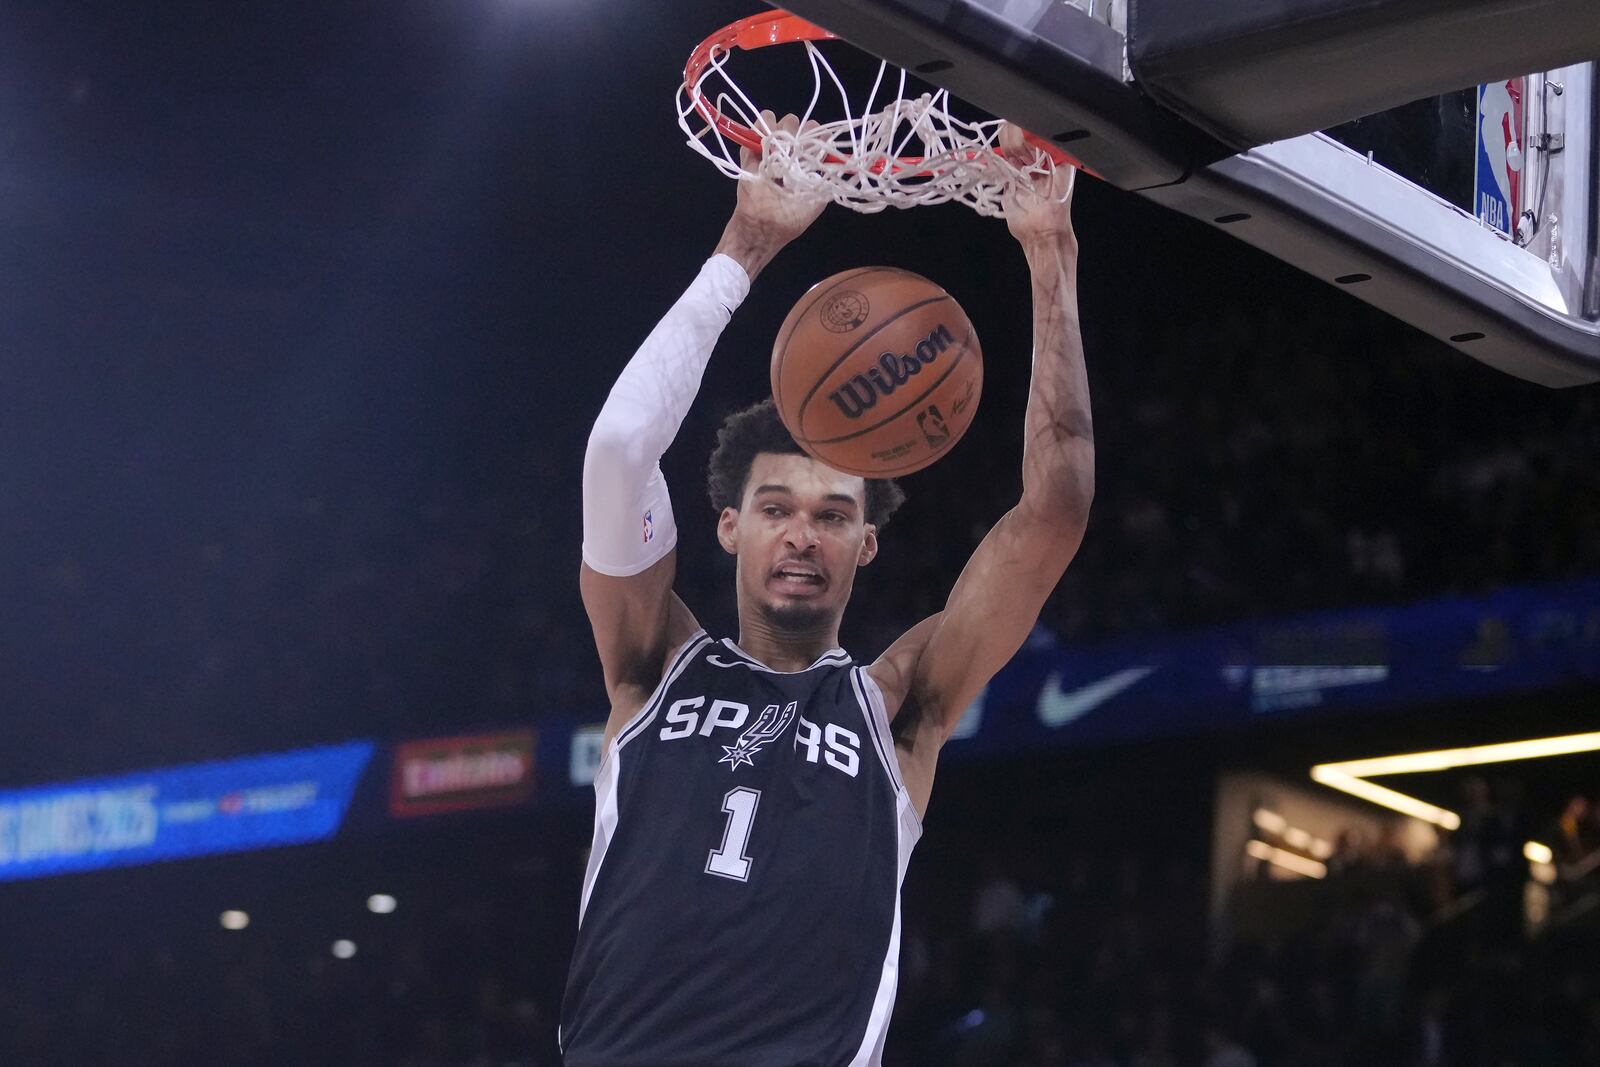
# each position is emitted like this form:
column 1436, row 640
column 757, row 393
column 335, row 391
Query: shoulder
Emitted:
column 629, row 699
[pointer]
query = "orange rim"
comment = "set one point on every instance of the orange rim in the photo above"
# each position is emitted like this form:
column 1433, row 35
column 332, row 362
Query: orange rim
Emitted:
column 783, row 27
column 757, row 31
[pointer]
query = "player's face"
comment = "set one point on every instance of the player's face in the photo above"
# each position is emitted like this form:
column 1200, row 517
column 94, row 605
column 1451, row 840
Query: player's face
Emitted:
column 800, row 533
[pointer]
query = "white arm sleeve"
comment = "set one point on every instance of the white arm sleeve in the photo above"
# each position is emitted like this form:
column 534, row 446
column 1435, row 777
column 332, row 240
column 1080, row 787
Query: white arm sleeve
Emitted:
column 627, row 514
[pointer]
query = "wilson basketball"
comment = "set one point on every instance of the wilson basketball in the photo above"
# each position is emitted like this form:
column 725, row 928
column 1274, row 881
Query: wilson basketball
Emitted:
column 877, row 372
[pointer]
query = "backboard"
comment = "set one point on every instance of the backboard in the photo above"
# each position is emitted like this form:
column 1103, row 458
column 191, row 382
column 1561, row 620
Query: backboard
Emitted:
column 1472, row 215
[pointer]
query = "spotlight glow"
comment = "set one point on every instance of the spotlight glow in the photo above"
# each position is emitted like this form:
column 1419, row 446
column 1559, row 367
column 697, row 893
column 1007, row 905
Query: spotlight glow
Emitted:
column 234, row 920
column 381, row 903
column 1351, row 777
column 1332, row 774
column 1289, row 861
column 1270, row 821
column 343, row 949
column 1446, row 758
column 1538, row 853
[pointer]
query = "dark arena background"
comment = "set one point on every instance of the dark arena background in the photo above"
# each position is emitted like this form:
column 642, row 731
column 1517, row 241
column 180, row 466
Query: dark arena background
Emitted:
column 307, row 312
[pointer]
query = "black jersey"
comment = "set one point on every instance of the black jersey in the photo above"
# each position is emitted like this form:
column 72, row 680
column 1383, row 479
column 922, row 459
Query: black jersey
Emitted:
column 742, row 901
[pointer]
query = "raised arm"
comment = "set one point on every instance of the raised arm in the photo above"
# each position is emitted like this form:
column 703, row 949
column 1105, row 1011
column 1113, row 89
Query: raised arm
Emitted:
column 933, row 673
column 629, row 533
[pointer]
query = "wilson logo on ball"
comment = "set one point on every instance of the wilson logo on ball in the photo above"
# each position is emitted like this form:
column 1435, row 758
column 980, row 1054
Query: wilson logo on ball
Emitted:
column 861, row 392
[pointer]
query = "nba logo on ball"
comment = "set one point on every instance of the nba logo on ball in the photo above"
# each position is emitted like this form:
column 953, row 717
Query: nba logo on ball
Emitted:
column 931, row 423
column 876, row 371
column 844, row 311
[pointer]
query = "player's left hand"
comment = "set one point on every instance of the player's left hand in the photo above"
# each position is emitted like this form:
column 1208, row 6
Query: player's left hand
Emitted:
column 1042, row 211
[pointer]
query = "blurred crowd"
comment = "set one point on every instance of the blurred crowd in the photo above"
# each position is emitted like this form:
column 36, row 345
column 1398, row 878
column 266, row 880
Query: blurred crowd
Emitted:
column 453, row 991
column 1250, row 464
column 1017, row 952
column 1274, row 471
column 1066, row 959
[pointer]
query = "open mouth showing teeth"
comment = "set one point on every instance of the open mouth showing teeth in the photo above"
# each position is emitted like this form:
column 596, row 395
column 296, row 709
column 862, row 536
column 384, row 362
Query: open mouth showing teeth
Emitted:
column 800, row 576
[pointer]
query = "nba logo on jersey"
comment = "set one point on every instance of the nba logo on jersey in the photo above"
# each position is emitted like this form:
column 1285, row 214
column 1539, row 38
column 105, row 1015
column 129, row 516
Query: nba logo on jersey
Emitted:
column 649, row 529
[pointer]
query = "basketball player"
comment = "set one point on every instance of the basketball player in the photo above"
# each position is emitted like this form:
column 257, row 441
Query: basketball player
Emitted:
column 758, row 800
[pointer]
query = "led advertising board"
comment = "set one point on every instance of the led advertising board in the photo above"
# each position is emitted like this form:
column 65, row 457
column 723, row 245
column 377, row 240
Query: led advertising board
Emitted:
column 459, row 773
column 199, row 809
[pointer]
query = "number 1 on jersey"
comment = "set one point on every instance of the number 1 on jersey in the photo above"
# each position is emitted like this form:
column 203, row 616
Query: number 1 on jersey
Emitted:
column 729, row 860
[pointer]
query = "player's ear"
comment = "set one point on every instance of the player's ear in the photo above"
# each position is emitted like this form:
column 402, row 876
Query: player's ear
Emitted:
column 728, row 530
column 869, row 546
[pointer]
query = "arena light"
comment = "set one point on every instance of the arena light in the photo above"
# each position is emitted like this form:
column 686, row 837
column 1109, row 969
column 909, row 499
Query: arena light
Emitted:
column 1351, row 776
column 1448, row 758
column 1329, row 774
column 1289, row 861
column 1270, row 821
column 381, row 904
column 343, row 949
column 1273, row 823
column 234, row 920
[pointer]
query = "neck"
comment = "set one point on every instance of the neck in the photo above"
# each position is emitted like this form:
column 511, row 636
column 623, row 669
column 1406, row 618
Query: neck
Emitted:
column 786, row 649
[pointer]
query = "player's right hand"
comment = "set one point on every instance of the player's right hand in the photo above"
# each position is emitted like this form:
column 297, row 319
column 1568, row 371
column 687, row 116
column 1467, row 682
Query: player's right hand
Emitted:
column 778, row 214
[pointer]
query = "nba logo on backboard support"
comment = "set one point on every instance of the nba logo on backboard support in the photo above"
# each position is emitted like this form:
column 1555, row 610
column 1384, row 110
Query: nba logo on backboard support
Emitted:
column 649, row 529
column 1498, row 195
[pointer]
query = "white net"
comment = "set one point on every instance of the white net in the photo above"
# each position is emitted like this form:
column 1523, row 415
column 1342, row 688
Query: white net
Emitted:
column 900, row 152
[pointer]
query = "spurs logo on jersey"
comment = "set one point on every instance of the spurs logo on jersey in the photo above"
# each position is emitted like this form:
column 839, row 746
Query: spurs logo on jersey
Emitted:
column 770, row 725
column 843, row 746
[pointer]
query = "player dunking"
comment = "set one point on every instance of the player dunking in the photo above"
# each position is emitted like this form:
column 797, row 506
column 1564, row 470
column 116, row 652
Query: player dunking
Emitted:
column 758, row 801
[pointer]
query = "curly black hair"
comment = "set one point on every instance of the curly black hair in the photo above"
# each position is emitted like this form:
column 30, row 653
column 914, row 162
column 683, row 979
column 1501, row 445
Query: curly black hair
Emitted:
column 758, row 428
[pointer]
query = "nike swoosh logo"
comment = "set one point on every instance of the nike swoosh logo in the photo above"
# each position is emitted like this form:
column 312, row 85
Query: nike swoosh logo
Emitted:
column 1057, row 707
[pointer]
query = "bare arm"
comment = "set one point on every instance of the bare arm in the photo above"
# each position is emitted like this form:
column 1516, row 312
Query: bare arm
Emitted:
column 630, row 554
column 636, row 621
column 935, row 671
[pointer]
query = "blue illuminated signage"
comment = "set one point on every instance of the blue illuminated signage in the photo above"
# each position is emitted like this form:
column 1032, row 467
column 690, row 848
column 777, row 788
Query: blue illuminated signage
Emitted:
column 195, row 810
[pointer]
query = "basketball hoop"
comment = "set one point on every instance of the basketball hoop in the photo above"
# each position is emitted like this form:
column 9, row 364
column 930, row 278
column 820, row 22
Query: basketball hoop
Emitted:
column 905, row 153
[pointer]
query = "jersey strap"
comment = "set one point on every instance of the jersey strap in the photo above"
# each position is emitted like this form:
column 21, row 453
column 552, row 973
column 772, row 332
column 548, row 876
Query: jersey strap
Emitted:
column 605, row 779
column 872, row 709
column 643, row 717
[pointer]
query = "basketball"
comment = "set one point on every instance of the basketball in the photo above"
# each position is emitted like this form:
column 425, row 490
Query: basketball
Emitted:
column 877, row 372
